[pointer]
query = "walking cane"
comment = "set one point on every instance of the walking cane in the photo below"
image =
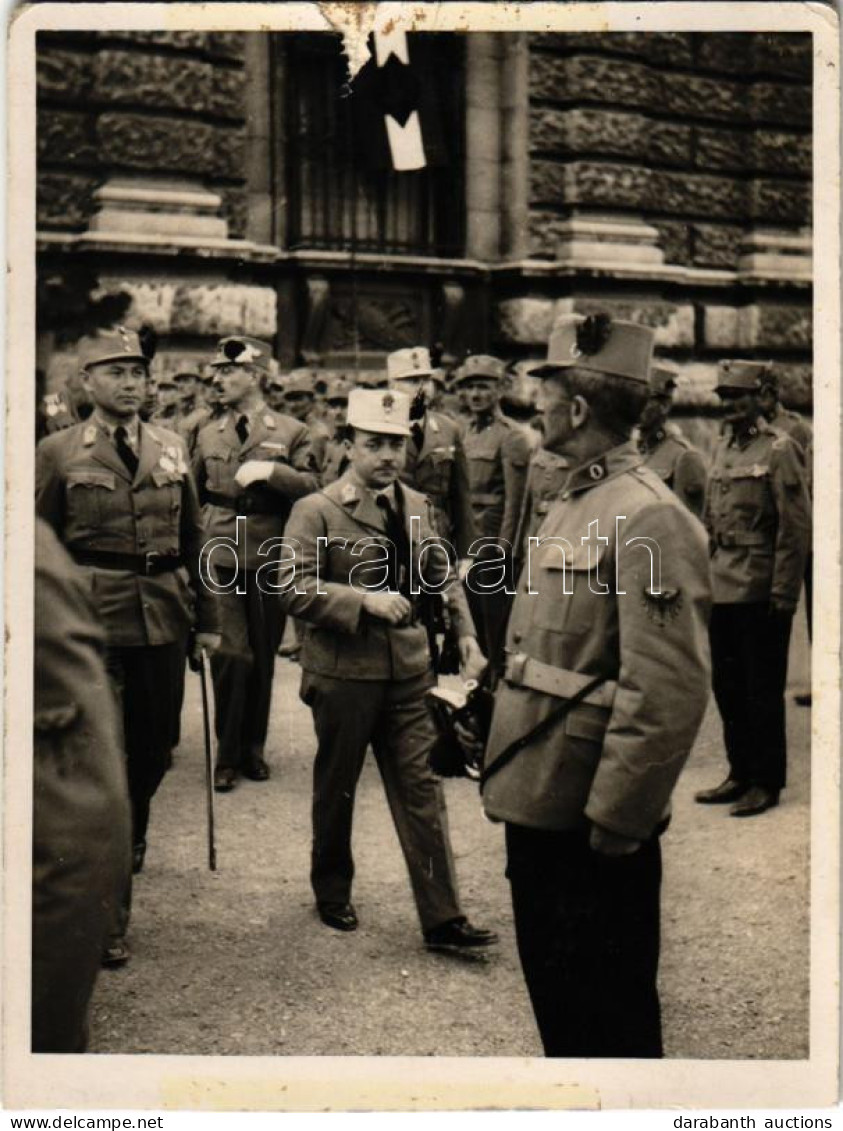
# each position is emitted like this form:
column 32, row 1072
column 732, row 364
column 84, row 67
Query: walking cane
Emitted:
column 209, row 770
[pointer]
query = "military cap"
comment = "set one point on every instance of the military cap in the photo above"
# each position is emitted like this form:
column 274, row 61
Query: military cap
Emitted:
column 371, row 379
column 118, row 344
column 299, row 381
column 599, row 344
column 405, row 364
column 166, row 381
column 743, row 376
column 480, row 365
column 379, row 410
column 185, row 375
column 240, row 350
column 663, row 378
column 338, row 390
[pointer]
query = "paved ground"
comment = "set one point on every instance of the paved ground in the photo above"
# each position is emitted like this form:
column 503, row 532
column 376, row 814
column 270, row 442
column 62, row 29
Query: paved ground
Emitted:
column 236, row 962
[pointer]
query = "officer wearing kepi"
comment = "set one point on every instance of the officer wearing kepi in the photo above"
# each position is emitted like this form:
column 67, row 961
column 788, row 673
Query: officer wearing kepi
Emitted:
column 666, row 451
column 758, row 516
column 366, row 667
column 120, row 496
column 605, row 686
column 252, row 463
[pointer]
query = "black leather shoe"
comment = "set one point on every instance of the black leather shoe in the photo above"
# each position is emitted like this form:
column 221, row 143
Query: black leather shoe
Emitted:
column 256, row 770
column 757, row 799
column 458, row 936
column 115, row 954
column 340, row 916
column 225, row 779
column 728, row 791
column 138, row 854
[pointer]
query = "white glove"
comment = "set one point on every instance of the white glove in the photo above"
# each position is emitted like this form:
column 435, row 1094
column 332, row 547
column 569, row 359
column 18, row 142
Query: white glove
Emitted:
column 253, row 471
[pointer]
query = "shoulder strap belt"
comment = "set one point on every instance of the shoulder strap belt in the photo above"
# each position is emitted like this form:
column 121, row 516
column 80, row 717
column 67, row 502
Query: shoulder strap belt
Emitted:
column 524, row 671
column 245, row 504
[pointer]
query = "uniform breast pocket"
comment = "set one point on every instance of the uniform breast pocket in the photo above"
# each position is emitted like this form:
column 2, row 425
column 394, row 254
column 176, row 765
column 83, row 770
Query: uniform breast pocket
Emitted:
column 748, row 492
column 220, row 469
column 434, row 473
column 484, row 471
column 166, row 499
column 89, row 494
column 567, row 588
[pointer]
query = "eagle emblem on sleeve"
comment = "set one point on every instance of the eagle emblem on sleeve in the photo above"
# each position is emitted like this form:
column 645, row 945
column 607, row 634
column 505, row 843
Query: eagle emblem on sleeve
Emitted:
column 662, row 606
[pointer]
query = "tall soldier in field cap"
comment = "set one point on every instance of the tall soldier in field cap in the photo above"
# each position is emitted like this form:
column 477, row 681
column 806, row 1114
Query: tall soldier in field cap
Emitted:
column 666, row 451
column 120, row 496
column 759, row 520
column 605, row 687
column 299, row 400
column 250, row 466
column 335, row 458
column 366, row 667
column 498, row 456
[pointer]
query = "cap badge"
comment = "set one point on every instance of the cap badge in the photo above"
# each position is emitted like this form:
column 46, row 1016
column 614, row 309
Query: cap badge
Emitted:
column 388, row 402
column 596, row 471
column 575, row 350
column 240, row 352
column 89, row 435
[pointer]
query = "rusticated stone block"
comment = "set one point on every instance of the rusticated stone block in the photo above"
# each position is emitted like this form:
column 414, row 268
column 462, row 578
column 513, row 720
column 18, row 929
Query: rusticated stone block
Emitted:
column 699, row 97
column 589, row 182
column 673, row 48
column 775, row 326
column 730, row 52
column 674, row 324
column 543, row 234
column 152, row 301
column 609, row 132
column 64, row 200
column 235, row 210
column 780, row 104
column 775, row 53
column 720, row 327
column 716, row 245
column 584, row 79
column 776, row 152
column 225, row 44
column 163, row 144
column 786, row 202
column 527, row 321
column 63, row 76
column 169, row 83
column 228, row 44
column 697, row 194
column 796, row 390
column 617, row 43
column 674, row 240
column 224, row 308
column 65, row 138
column 721, row 149
column 669, row 143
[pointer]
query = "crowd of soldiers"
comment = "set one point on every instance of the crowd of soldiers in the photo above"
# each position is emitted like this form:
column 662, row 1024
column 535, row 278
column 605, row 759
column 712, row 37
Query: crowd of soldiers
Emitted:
column 172, row 499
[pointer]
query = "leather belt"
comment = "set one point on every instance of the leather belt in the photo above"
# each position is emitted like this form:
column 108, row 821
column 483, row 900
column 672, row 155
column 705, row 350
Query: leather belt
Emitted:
column 524, row 671
column 243, row 504
column 147, row 564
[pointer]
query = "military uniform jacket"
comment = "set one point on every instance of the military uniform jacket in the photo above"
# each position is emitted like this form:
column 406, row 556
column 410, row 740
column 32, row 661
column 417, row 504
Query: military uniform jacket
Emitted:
column 333, row 532
column 219, row 454
column 439, row 470
column 546, row 477
column 678, row 463
column 498, row 455
column 334, row 461
column 86, row 493
column 758, row 516
column 615, row 758
column 792, row 424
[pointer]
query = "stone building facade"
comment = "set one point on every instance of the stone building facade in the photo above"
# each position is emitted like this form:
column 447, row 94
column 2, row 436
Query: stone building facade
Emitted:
column 665, row 177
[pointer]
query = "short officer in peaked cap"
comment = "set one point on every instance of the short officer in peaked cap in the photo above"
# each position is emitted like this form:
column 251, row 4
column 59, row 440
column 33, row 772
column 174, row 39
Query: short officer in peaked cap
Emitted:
column 758, row 515
column 605, row 686
column 663, row 446
column 120, row 496
column 250, row 466
column 366, row 667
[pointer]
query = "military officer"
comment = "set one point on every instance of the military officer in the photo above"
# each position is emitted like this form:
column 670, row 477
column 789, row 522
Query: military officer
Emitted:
column 250, row 466
column 335, row 458
column 119, row 495
column 299, row 400
column 665, row 449
column 166, row 403
column 758, row 516
column 366, row 667
column 605, row 686
column 498, row 457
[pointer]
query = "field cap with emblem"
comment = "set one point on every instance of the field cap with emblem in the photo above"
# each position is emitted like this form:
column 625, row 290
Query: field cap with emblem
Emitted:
column 379, row 410
column 299, row 381
column 240, row 350
column 338, row 390
column 743, row 376
column 663, row 378
column 481, row 366
column 599, row 344
column 118, row 344
column 409, row 364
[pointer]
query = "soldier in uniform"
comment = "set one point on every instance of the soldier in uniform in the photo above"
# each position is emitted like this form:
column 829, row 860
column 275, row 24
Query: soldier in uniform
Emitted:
column 299, row 401
column 605, row 686
column 166, row 404
column 758, row 516
column 545, row 480
column 66, row 407
column 335, row 458
column 498, row 457
column 665, row 449
column 119, row 495
column 366, row 668
column 81, row 825
column 253, row 463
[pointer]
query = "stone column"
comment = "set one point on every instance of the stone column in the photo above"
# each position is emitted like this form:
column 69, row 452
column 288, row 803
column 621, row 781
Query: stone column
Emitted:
column 483, row 145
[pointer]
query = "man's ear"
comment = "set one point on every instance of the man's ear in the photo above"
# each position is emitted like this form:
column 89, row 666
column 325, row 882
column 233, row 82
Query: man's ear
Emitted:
column 85, row 378
column 580, row 411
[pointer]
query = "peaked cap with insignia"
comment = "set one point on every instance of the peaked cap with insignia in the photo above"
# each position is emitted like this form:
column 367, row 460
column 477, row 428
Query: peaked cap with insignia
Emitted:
column 118, row 344
column 663, row 378
column 240, row 350
column 482, row 366
column 744, row 376
column 382, row 411
column 599, row 344
column 405, row 364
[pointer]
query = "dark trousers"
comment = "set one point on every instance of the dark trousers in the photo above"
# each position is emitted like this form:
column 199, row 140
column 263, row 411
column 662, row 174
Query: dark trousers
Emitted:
column 587, row 928
column 243, row 668
column 749, row 668
column 393, row 717
column 148, row 683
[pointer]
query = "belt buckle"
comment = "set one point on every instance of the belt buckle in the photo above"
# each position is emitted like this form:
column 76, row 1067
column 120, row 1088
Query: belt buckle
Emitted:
column 515, row 665
column 149, row 560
